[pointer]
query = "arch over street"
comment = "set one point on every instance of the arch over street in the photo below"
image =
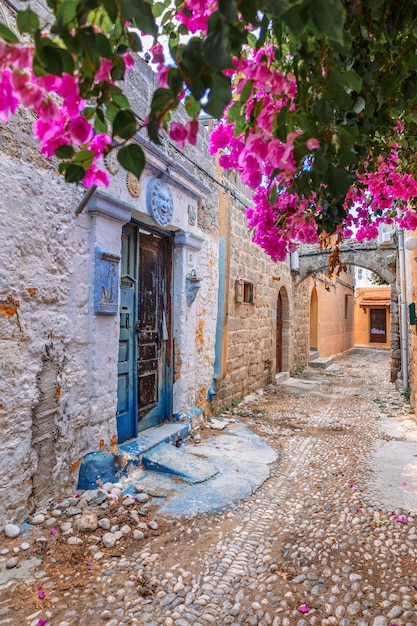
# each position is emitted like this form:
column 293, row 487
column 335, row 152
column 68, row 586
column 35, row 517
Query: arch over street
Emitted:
column 380, row 259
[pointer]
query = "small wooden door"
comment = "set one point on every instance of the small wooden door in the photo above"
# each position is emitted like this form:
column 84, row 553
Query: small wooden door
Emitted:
column 279, row 335
column 144, row 369
column 378, row 330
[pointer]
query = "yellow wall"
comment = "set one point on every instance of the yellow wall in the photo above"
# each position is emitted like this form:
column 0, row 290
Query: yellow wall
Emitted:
column 362, row 316
column 334, row 314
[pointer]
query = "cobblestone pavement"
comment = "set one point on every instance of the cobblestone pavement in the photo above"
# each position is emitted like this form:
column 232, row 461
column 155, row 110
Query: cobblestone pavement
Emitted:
column 315, row 545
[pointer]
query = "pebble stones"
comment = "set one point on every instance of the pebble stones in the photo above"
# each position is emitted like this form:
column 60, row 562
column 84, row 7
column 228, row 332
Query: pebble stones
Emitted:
column 12, row 531
column 307, row 549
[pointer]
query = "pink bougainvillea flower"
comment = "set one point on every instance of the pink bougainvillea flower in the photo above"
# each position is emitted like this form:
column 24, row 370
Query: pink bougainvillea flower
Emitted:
column 98, row 177
column 304, row 608
column 54, row 531
column 360, row 511
column 80, row 129
column 313, row 144
column 178, row 133
column 401, row 519
column 41, row 593
column 42, row 622
column 404, row 484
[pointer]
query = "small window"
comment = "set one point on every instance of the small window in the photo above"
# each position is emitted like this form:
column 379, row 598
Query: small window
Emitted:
column 244, row 292
column 360, row 274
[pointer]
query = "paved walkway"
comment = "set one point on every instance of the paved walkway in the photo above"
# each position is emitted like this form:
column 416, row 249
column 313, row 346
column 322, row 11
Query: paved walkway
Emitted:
column 329, row 538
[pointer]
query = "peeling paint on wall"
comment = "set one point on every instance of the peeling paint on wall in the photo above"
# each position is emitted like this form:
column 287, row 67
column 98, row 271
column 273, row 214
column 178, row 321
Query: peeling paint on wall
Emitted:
column 199, row 334
column 44, row 430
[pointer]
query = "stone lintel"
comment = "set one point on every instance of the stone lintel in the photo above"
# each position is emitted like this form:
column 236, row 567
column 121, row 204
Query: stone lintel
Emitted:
column 104, row 205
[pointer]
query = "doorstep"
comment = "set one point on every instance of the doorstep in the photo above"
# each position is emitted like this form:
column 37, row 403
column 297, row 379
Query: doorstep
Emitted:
column 105, row 466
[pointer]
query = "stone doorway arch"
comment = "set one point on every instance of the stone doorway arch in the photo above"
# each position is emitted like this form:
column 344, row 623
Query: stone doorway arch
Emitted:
column 382, row 260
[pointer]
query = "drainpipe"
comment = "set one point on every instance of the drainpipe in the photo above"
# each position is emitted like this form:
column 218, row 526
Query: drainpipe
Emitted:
column 403, row 310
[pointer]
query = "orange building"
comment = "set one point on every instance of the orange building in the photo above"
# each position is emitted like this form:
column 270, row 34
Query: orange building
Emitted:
column 372, row 317
column 331, row 313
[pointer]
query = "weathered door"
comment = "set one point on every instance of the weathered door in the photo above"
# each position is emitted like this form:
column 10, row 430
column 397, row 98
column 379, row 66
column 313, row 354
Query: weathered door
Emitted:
column 153, row 330
column 144, row 384
column 378, row 330
column 126, row 388
column 279, row 335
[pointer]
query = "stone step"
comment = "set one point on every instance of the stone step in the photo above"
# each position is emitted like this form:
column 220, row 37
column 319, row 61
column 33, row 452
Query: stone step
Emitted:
column 104, row 466
column 168, row 459
column 281, row 377
column 314, row 354
column 321, row 362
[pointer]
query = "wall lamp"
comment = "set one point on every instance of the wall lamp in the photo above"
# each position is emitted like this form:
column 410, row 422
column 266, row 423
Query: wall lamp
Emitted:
column 410, row 243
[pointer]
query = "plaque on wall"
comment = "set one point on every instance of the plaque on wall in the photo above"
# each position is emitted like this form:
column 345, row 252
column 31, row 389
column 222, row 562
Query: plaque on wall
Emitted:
column 133, row 185
column 159, row 201
column 106, row 282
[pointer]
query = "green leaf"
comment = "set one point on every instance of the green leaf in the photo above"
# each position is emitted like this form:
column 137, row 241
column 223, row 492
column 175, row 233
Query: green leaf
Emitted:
column 216, row 46
column 7, row 35
column 163, row 100
column 192, row 106
column 246, row 91
column 118, row 69
column 329, row 16
column 234, row 112
column 132, row 158
column 27, row 21
column 74, row 173
column 353, row 80
column 141, row 12
column 125, row 124
column 83, row 158
column 64, row 152
column 228, row 8
column 219, row 96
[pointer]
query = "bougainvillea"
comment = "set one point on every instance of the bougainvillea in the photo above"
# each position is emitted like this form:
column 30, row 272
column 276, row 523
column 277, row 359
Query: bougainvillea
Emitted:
column 314, row 103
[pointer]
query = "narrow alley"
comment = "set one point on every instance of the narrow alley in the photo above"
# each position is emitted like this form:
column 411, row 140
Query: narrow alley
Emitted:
column 329, row 538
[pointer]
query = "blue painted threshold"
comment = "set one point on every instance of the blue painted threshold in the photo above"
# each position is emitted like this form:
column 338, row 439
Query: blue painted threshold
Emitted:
column 178, row 462
column 104, row 466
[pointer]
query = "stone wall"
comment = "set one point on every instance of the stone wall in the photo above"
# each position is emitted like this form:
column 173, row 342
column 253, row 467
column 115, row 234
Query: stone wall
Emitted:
column 248, row 340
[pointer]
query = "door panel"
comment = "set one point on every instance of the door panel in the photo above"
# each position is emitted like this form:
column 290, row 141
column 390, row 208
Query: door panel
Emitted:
column 153, row 334
column 279, row 335
column 126, row 396
column 378, row 331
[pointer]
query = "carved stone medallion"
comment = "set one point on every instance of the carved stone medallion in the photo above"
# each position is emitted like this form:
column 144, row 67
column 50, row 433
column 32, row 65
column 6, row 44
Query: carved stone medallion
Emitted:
column 111, row 163
column 133, row 185
column 159, row 201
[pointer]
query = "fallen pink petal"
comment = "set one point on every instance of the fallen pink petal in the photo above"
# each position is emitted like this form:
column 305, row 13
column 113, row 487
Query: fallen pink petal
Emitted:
column 353, row 485
column 54, row 531
column 304, row 608
column 41, row 594
column 404, row 484
column 42, row 622
column 401, row 519
column 414, row 588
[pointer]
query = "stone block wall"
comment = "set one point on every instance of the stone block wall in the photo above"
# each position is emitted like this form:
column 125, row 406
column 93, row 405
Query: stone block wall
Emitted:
column 249, row 331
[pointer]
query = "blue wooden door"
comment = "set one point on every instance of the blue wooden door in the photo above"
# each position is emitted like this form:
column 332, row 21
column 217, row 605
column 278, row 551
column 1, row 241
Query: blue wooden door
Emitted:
column 145, row 342
column 126, row 388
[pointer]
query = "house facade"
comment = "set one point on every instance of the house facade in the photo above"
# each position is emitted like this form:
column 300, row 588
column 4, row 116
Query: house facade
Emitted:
column 126, row 308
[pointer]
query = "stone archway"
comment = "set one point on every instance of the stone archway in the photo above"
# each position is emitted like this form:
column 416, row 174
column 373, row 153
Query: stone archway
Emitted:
column 382, row 260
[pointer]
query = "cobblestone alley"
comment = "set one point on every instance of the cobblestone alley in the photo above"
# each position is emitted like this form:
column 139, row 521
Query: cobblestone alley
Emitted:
column 329, row 538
